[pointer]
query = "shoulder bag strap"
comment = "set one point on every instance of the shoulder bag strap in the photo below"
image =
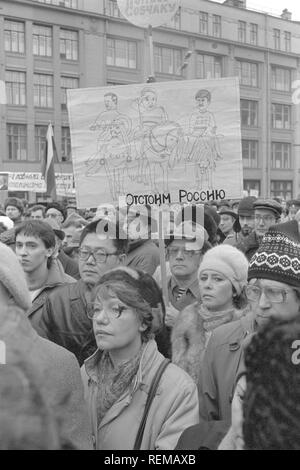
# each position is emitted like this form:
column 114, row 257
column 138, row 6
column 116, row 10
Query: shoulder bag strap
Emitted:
column 150, row 397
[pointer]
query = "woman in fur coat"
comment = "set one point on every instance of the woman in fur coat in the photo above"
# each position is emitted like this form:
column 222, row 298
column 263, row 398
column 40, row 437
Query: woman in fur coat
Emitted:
column 222, row 278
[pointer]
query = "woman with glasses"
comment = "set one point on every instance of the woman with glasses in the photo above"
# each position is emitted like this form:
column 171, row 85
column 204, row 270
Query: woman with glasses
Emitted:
column 127, row 310
column 222, row 279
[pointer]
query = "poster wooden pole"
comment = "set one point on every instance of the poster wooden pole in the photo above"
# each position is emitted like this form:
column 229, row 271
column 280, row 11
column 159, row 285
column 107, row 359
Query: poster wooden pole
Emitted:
column 162, row 257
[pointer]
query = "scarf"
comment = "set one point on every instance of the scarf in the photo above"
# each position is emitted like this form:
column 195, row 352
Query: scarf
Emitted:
column 114, row 381
column 213, row 320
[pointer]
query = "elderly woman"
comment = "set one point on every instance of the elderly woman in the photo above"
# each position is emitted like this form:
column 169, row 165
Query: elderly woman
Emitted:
column 127, row 310
column 222, row 278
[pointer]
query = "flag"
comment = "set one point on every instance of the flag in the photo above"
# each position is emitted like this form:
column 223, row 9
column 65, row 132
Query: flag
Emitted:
column 50, row 155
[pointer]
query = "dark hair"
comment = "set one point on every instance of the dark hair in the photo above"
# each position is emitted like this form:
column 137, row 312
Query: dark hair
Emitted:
column 38, row 229
column 38, row 207
column 113, row 230
column 58, row 207
column 139, row 291
column 271, row 403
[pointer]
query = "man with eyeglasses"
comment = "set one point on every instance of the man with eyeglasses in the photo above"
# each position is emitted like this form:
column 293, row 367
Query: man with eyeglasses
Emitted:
column 103, row 246
column 267, row 212
column 273, row 292
column 185, row 250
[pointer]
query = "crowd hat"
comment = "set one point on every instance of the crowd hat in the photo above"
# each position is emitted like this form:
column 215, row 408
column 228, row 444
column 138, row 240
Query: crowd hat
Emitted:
column 15, row 202
column 12, row 277
column 269, row 204
column 278, row 257
column 246, row 206
column 230, row 262
column 236, row 225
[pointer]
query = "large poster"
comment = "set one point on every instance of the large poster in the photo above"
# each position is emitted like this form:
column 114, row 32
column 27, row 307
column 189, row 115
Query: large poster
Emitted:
column 177, row 141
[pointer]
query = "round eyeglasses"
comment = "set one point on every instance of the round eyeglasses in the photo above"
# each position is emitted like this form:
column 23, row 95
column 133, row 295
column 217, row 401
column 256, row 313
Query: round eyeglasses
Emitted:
column 275, row 295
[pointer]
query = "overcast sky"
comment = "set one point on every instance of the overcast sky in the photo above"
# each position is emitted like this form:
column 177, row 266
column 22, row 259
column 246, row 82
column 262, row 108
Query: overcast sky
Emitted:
column 275, row 7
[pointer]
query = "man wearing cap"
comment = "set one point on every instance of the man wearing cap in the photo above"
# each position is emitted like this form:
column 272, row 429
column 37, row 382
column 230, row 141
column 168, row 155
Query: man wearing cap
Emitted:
column 228, row 226
column 273, row 292
column 267, row 212
column 35, row 250
column 185, row 250
column 245, row 214
column 14, row 209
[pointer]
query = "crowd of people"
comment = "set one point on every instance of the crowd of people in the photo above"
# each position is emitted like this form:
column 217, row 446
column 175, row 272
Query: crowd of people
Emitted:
column 108, row 349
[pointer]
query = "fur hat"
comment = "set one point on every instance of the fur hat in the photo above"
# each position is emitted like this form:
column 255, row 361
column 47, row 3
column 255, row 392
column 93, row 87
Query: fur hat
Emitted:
column 12, row 277
column 230, row 262
column 15, row 202
column 278, row 256
column 246, row 206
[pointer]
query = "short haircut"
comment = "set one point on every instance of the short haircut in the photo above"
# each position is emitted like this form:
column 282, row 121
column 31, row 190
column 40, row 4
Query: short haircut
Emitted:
column 271, row 403
column 58, row 207
column 203, row 94
column 139, row 291
column 110, row 227
column 38, row 207
column 37, row 229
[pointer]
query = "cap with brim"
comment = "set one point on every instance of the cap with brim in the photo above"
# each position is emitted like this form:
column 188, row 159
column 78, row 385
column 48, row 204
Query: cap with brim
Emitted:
column 228, row 212
column 268, row 204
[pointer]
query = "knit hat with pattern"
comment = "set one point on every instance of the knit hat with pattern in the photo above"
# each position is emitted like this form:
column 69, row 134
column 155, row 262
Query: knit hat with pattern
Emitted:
column 278, row 257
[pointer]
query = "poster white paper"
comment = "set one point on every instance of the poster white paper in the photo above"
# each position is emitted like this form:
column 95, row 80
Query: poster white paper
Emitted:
column 34, row 182
column 180, row 139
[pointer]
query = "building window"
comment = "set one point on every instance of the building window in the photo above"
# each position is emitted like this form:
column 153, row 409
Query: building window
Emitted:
column 216, row 26
column 282, row 189
column 167, row 60
column 287, row 41
column 281, row 116
column 208, row 66
column 14, row 36
column 40, row 133
column 281, row 155
column 65, row 84
column 276, row 36
column 68, row 44
column 252, row 187
column 65, row 144
column 15, row 87
column 249, row 113
column 121, row 53
column 242, row 31
column 62, row 3
column 253, row 34
column 248, row 73
column 203, row 22
column 42, row 40
column 175, row 22
column 43, row 90
column 281, row 79
column 250, row 153
column 16, row 142
column 112, row 9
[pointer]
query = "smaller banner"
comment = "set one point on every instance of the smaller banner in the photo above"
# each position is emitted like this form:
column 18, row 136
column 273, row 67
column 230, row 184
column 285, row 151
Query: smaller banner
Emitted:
column 34, row 182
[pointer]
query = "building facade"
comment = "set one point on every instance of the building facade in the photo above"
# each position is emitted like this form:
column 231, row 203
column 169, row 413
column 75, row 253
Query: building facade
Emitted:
column 48, row 46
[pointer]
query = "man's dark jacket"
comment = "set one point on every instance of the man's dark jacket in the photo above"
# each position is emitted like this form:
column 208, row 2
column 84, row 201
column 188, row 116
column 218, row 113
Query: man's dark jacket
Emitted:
column 64, row 321
column 70, row 265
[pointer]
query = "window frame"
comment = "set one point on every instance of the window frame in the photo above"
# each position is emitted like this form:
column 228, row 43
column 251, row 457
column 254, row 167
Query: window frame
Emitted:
column 252, row 145
column 40, row 86
column 217, row 62
column 251, row 111
column 283, row 165
column 17, row 34
column 17, row 138
column 39, row 41
column 241, row 66
column 11, row 86
column 114, row 49
column 64, row 48
column 176, row 67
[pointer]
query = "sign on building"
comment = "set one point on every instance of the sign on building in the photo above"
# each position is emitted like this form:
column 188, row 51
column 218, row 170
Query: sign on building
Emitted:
column 146, row 13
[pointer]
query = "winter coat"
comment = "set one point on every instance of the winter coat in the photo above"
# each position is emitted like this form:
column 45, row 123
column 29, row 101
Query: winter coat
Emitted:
column 221, row 364
column 249, row 245
column 189, row 339
column 174, row 408
column 64, row 321
column 143, row 255
column 207, row 435
column 56, row 278
column 59, row 372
